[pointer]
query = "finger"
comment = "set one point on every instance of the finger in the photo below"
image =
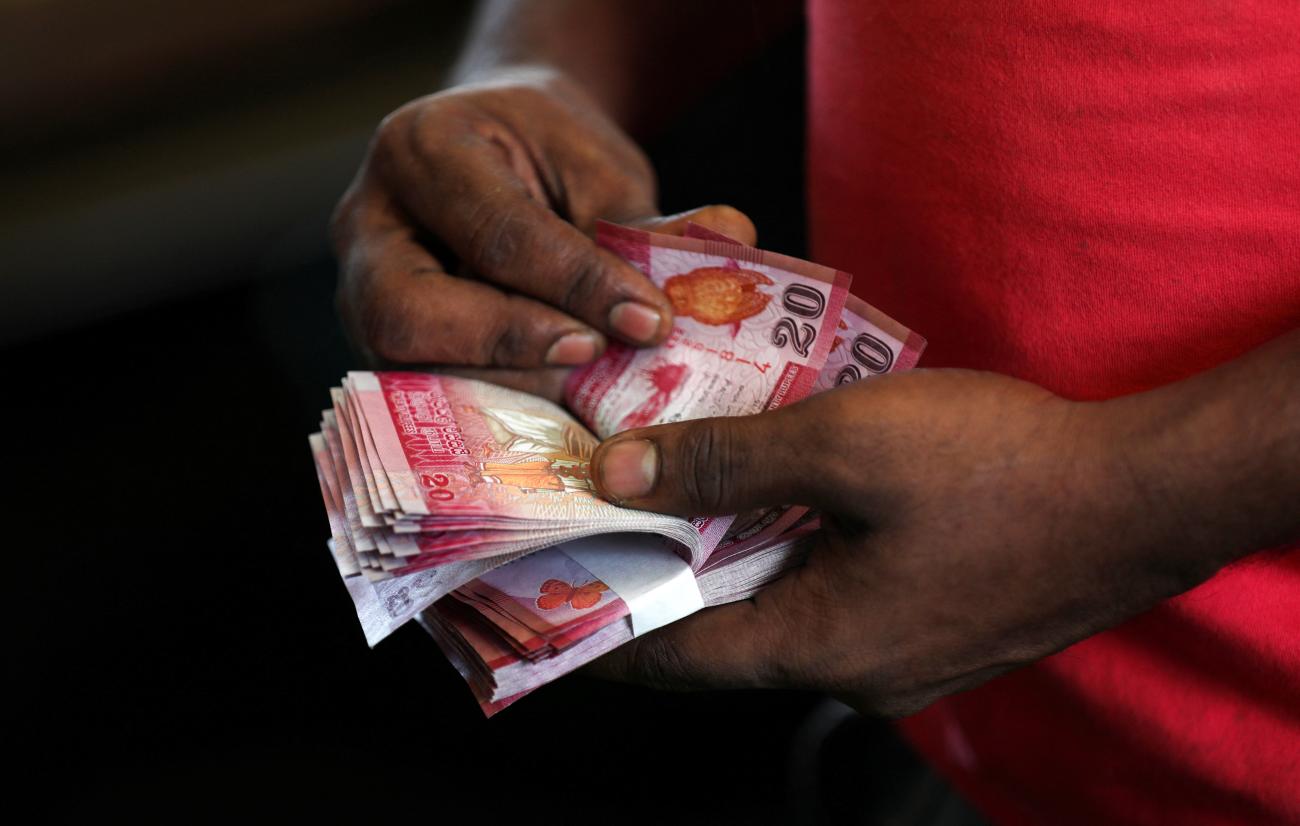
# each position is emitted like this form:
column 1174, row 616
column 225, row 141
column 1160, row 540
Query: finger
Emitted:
column 728, row 464
column 718, row 217
column 476, row 205
column 405, row 309
column 761, row 642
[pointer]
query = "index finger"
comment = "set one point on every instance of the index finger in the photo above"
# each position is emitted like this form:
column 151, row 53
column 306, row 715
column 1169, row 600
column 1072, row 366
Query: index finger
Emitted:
column 483, row 212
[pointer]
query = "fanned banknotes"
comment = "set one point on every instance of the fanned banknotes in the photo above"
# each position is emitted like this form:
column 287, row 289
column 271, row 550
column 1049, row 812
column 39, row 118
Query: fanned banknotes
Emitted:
column 468, row 505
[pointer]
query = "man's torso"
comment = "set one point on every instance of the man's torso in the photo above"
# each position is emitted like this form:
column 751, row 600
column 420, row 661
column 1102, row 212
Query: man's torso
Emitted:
column 1100, row 198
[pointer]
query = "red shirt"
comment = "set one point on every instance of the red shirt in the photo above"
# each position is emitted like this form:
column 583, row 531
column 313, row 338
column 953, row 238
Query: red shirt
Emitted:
column 1099, row 197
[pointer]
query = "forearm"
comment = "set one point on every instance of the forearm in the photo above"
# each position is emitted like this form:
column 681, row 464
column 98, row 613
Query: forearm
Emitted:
column 637, row 58
column 1214, row 461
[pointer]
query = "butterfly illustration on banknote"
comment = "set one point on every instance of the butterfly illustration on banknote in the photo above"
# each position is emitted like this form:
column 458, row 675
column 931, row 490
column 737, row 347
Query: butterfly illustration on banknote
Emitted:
column 554, row 593
column 718, row 296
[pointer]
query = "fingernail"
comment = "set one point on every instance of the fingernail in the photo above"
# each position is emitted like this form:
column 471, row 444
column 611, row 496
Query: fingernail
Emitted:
column 635, row 321
column 628, row 469
column 573, row 348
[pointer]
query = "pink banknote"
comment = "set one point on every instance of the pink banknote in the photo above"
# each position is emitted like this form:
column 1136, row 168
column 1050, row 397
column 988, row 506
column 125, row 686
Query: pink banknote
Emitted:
column 456, row 448
column 431, row 482
column 549, row 593
column 868, row 343
column 751, row 331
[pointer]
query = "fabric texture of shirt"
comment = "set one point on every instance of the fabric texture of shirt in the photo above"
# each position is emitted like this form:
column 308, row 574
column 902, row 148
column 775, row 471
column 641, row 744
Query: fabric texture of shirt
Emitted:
column 1101, row 198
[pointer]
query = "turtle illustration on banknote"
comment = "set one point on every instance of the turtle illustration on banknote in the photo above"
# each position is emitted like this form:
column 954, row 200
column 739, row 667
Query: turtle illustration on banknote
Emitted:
column 718, row 296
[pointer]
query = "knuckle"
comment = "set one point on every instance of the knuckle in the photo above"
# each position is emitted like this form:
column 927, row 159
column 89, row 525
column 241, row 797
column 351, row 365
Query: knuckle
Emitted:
column 345, row 309
column 385, row 336
column 390, row 138
column 458, row 335
column 493, row 243
column 427, row 122
column 380, row 318
column 454, row 335
column 704, row 455
column 353, row 301
column 405, row 135
column 507, row 343
column 340, row 226
column 585, row 283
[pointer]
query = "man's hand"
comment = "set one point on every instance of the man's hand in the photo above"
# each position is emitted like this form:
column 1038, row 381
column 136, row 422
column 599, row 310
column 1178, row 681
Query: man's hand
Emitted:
column 464, row 239
column 972, row 523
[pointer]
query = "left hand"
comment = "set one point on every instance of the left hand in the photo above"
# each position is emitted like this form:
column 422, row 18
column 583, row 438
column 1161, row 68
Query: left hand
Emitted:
column 972, row 523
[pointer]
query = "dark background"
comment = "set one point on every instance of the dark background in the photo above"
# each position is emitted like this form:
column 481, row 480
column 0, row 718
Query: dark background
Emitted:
column 184, row 648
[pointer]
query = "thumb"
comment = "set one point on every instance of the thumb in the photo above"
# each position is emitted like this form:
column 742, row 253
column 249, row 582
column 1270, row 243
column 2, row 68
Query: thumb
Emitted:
column 722, row 465
column 718, row 217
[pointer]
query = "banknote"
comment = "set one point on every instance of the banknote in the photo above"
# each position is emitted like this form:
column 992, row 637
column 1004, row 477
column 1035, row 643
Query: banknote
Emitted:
column 452, row 448
column 469, row 506
column 867, row 343
column 751, row 331
column 495, row 673
column 341, row 547
column 500, row 670
column 490, row 474
column 544, row 606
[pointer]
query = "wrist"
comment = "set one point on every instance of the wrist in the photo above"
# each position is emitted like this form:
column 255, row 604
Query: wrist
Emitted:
column 1159, row 476
column 542, row 77
column 475, row 72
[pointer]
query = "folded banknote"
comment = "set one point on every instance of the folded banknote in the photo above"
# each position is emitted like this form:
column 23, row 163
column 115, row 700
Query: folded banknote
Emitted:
column 468, row 505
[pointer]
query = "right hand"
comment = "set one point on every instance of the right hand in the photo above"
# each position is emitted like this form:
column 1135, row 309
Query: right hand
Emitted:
column 465, row 242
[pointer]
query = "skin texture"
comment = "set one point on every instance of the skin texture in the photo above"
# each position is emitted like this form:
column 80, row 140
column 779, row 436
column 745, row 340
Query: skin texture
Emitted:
column 996, row 523
column 465, row 239
column 973, row 522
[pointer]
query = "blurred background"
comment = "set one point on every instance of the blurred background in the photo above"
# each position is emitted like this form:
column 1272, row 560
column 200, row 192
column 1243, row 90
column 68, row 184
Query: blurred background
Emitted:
column 184, row 650
column 155, row 149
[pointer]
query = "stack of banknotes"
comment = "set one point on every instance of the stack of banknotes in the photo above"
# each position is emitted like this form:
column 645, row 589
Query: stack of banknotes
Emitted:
column 467, row 506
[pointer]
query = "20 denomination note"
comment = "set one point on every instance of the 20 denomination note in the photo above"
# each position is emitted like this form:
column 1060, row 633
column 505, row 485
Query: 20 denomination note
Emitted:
column 475, row 497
